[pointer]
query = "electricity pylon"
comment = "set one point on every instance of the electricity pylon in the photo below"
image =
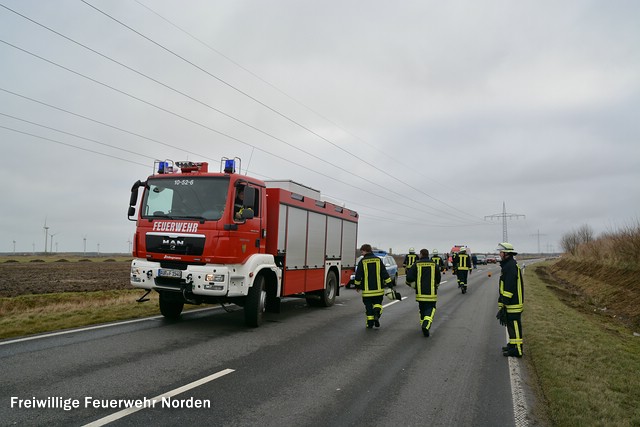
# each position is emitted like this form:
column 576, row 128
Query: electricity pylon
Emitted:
column 504, row 215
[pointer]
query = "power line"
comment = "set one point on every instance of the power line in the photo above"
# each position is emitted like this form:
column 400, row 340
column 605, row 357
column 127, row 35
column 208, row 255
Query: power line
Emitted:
column 196, row 100
column 282, row 92
column 74, row 135
column 189, row 120
column 277, row 112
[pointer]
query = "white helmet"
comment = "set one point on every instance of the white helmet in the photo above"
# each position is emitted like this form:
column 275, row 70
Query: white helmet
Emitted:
column 463, row 249
column 434, row 252
column 412, row 251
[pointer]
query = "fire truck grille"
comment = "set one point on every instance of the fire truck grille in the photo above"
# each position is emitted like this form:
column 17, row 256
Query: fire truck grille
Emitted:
column 183, row 245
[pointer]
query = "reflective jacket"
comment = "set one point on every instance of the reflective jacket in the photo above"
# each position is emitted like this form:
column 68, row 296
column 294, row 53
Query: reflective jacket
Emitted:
column 425, row 277
column 371, row 276
column 462, row 262
column 511, row 286
column 438, row 261
column 409, row 260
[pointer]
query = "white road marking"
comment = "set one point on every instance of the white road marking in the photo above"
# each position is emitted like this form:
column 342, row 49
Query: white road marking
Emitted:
column 520, row 409
column 120, row 414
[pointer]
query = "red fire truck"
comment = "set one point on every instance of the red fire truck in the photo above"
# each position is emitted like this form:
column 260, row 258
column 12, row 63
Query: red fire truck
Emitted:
column 221, row 237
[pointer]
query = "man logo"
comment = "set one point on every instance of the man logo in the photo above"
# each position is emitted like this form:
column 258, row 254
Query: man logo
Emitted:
column 173, row 243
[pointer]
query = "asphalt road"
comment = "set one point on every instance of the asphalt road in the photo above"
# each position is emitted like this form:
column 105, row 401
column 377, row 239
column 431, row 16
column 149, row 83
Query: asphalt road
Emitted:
column 305, row 366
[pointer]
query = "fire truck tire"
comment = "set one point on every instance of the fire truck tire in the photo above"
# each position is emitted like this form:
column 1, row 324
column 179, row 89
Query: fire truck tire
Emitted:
column 171, row 309
column 328, row 294
column 255, row 304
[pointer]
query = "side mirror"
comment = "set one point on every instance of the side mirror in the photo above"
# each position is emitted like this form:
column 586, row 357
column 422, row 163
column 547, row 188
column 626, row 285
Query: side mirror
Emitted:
column 247, row 213
column 133, row 200
column 249, row 197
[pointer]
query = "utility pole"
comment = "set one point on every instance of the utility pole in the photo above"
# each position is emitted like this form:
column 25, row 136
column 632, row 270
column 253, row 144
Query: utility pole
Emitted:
column 84, row 240
column 14, row 247
column 504, row 215
column 538, row 234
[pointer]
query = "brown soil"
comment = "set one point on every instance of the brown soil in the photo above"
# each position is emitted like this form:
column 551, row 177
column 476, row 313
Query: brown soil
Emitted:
column 20, row 278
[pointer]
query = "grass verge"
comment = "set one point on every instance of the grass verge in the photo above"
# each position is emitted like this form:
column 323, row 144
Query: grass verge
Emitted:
column 32, row 314
column 587, row 365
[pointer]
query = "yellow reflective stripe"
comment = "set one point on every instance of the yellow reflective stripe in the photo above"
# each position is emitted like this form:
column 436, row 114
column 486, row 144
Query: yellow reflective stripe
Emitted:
column 507, row 294
column 422, row 266
column 378, row 289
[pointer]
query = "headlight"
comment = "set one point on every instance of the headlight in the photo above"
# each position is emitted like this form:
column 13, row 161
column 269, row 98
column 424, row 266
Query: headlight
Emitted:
column 214, row 278
column 135, row 271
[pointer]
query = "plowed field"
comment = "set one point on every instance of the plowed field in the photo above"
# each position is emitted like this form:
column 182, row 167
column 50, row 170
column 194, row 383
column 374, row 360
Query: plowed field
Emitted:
column 20, row 278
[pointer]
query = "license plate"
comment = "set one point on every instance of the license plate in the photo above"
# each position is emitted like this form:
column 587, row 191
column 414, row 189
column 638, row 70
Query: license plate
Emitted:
column 167, row 272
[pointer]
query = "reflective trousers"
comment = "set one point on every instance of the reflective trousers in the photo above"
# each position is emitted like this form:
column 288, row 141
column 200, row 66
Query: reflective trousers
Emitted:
column 370, row 306
column 462, row 277
column 514, row 329
column 427, row 312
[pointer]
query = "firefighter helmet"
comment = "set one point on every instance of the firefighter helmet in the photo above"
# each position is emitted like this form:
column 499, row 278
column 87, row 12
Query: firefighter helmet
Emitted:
column 463, row 249
column 434, row 252
column 506, row 248
column 412, row 251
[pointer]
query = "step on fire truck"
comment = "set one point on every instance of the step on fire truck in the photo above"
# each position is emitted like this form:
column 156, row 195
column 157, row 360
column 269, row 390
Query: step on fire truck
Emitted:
column 204, row 238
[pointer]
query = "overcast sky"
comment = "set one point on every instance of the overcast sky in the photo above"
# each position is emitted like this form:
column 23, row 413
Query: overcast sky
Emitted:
column 424, row 116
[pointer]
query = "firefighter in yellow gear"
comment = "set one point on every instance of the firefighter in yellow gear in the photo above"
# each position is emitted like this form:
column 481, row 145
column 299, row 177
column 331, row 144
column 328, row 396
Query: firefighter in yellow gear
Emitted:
column 409, row 259
column 511, row 299
column 462, row 266
column 371, row 278
column 424, row 276
column 437, row 259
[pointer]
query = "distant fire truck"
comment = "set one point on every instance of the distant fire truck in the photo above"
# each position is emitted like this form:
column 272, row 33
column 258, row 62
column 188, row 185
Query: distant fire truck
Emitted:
column 205, row 237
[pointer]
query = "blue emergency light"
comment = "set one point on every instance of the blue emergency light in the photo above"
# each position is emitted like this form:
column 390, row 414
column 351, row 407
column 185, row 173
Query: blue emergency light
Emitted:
column 229, row 166
column 163, row 167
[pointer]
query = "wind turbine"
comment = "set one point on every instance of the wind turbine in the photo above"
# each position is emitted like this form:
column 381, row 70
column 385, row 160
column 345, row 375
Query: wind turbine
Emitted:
column 55, row 234
column 46, row 234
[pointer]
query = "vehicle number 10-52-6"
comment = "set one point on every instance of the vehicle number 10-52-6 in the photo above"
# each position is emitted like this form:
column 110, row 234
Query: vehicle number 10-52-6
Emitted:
column 183, row 182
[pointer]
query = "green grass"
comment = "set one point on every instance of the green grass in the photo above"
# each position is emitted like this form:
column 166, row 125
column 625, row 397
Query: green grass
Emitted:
column 32, row 314
column 587, row 365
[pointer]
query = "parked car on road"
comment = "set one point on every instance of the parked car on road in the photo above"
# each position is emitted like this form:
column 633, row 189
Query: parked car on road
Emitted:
column 482, row 259
column 492, row 259
column 389, row 263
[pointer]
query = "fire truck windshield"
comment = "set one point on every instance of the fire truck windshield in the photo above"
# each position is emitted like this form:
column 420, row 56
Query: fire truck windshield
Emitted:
column 201, row 198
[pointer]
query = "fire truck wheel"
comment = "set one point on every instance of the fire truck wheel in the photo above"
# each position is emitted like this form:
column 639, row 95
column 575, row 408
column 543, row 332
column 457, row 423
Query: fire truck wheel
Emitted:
column 170, row 308
column 255, row 303
column 328, row 295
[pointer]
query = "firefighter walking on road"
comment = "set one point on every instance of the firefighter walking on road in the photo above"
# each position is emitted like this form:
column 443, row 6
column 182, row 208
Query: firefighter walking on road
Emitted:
column 409, row 259
column 511, row 299
column 462, row 266
column 437, row 260
column 424, row 276
column 371, row 278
